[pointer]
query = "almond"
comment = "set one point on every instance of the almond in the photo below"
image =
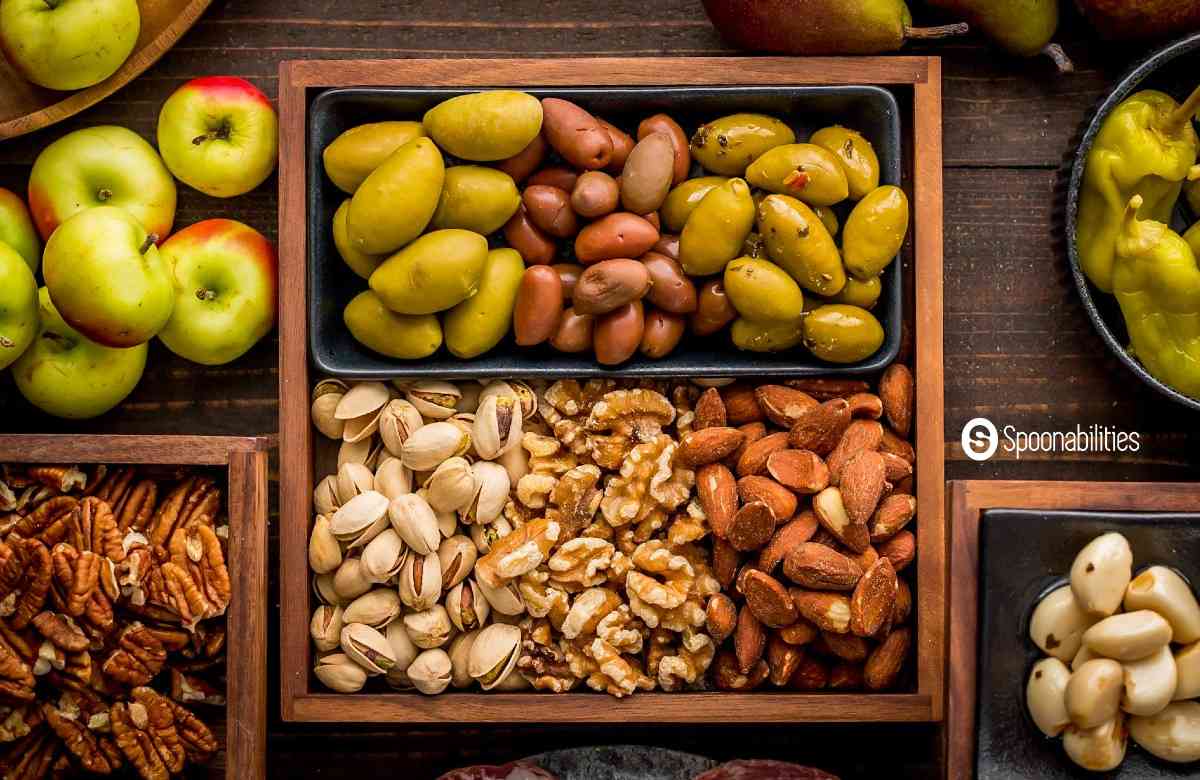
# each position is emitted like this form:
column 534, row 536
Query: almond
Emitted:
column 811, row 675
column 823, row 389
column 864, row 479
column 710, row 410
column 752, row 526
column 741, row 406
column 754, row 431
column 847, row 647
column 787, row 538
column 818, row 429
column 865, row 559
column 846, row 676
column 717, row 492
column 727, row 676
column 799, row 633
column 819, row 567
column 865, row 405
column 901, row 549
column 783, row 405
column 753, row 459
column 720, row 617
column 904, row 485
column 894, row 512
column 749, row 640
column 874, row 599
column 896, row 393
column 896, row 467
column 903, row 603
column 860, row 435
column 799, row 470
column 831, row 513
column 725, row 562
column 767, row 599
column 884, row 664
column 781, row 501
column 892, row 443
column 707, row 446
column 782, row 659
column 828, row 611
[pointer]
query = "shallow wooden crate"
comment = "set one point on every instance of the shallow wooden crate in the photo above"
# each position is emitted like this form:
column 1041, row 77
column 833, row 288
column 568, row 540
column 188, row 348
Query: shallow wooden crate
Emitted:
column 243, row 742
column 918, row 82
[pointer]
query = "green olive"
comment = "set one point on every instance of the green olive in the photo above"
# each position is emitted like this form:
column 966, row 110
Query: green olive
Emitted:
column 397, row 200
column 840, row 333
column 683, row 200
column 477, row 199
column 863, row 293
column 485, row 126
column 762, row 291
column 396, row 335
column 875, row 231
column 1192, row 237
column 360, row 263
column 806, row 171
column 727, row 145
column 798, row 241
column 478, row 323
column 828, row 218
column 753, row 336
column 351, row 157
column 716, row 229
column 433, row 273
column 856, row 154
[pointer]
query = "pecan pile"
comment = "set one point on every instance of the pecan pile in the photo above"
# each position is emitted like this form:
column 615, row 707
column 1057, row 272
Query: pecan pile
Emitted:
column 113, row 591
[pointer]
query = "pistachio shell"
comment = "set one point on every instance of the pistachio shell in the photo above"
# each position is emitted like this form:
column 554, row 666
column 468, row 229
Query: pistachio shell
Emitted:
column 402, row 645
column 516, row 462
column 451, row 486
column 505, row 600
column 375, row 608
column 361, row 428
column 434, row 399
column 498, row 425
column 364, row 451
column 491, row 492
column 350, row 581
column 339, row 673
column 421, row 581
column 325, row 496
column 494, row 654
column 467, row 607
column 324, row 552
column 457, row 557
column 431, row 672
column 431, row 444
column 329, row 387
column 514, row 388
column 397, row 421
column 429, row 628
column 469, row 400
column 460, row 652
column 368, row 648
column 413, row 519
column 393, row 478
column 485, row 535
column 322, row 415
column 323, row 589
column 353, row 479
column 384, row 556
column 326, row 627
column 360, row 519
column 362, row 399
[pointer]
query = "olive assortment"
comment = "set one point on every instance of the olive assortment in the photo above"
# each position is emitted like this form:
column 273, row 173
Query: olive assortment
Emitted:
column 500, row 213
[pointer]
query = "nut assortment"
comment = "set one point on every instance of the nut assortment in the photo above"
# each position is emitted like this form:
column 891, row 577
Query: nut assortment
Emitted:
column 617, row 536
column 113, row 590
column 1122, row 659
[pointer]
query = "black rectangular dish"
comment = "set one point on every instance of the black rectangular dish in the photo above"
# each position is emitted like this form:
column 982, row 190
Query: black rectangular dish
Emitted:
column 871, row 110
column 1022, row 555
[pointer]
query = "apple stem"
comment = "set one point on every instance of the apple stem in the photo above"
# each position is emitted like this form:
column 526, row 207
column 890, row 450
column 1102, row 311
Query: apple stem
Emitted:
column 150, row 241
column 51, row 4
column 220, row 133
column 6, row 342
column 104, row 194
column 205, row 295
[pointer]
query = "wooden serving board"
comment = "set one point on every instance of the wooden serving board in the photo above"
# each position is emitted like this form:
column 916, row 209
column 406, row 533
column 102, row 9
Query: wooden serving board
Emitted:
column 26, row 107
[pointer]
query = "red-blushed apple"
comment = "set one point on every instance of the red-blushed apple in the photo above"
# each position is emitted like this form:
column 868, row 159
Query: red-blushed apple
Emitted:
column 67, row 375
column 220, row 135
column 68, row 44
column 225, row 285
column 17, row 230
column 101, row 166
column 18, row 306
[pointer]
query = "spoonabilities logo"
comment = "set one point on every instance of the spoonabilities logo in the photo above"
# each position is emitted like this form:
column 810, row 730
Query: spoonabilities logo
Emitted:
column 980, row 439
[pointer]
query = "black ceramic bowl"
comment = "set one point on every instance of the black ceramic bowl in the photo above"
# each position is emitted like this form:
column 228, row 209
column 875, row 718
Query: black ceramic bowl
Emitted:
column 871, row 110
column 1173, row 70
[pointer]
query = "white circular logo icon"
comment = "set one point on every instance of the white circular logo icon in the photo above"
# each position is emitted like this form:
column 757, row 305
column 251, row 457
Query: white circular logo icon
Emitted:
column 980, row 439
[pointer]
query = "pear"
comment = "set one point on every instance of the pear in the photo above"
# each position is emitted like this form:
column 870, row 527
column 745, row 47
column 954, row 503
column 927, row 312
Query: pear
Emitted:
column 1021, row 27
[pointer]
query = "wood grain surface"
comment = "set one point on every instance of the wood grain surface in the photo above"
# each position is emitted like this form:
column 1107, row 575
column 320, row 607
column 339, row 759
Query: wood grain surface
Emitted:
column 1018, row 347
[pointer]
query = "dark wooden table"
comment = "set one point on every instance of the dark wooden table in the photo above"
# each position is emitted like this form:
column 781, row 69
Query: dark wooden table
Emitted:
column 1019, row 349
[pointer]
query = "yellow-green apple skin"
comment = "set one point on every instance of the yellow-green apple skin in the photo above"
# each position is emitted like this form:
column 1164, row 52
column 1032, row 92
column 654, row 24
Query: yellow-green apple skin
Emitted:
column 67, row 375
column 18, row 306
column 17, row 230
column 107, row 278
column 68, row 44
column 225, row 284
column 101, row 166
column 220, row 135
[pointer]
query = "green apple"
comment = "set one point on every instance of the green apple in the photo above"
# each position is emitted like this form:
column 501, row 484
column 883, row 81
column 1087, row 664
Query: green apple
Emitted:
column 68, row 44
column 101, row 166
column 225, row 280
column 16, row 229
column 66, row 375
column 107, row 278
column 18, row 306
column 220, row 135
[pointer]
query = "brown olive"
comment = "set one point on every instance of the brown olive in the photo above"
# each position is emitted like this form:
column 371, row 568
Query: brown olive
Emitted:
column 595, row 194
column 563, row 178
column 610, row 284
column 526, row 161
column 672, row 290
column 622, row 145
column 620, row 234
column 550, row 209
column 536, row 247
column 618, row 334
column 569, row 274
column 661, row 123
column 713, row 309
column 539, row 305
column 662, row 333
column 668, row 245
column 574, row 332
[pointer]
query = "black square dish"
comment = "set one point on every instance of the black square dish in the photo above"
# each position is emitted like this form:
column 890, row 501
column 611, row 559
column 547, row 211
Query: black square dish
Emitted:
column 871, row 110
column 1022, row 555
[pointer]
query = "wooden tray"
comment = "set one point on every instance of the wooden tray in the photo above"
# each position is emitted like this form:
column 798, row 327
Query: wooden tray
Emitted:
column 244, row 742
column 26, row 107
column 918, row 78
column 967, row 500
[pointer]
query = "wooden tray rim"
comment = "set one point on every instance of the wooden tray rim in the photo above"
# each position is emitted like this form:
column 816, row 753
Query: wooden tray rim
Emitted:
column 298, row 703
column 967, row 499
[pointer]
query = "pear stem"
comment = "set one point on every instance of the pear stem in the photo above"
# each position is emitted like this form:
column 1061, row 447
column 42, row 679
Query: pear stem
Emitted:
column 104, row 194
column 934, row 33
column 6, row 342
column 1061, row 60
column 150, row 241
column 51, row 4
column 205, row 295
column 1129, row 221
column 1187, row 109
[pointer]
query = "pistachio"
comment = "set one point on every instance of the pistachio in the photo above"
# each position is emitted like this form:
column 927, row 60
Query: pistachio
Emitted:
column 322, row 410
column 421, row 581
column 1101, row 573
column 361, row 428
column 457, row 558
column 364, row 451
column 447, row 523
column 329, row 387
column 515, row 461
column 430, row 673
column 494, row 654
column 350, row 581
column 323, row 589
column 527, row 397
column 375, row 608
column 513, row 683
column 484, row 536
column 324, row 552
column 498, row 425
column 491, row 492
column 460, row 653
column 497, row 387
column 467, row 607
column 362, row 399
column 339, row 673
column 368, row 648
column 431, row 444
column 402, row 646
column 428, row 628
column 353, row 479
column 326, row 627
column 397, row 421
column 384, row 556
column 360, row 519
column 469, row 400
column 325, row 496
column 434, row 399
column 451, row 486
column 413, row 519
column 393, row 478
column 466, row 423
column 506, row 599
